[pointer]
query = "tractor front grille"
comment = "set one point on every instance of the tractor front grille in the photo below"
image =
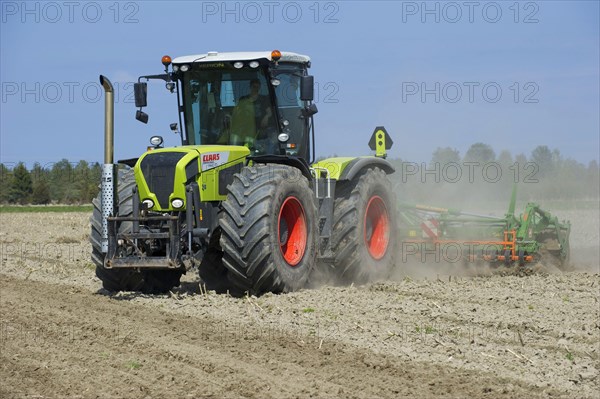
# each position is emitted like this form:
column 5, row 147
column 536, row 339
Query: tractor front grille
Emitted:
column 159, row 172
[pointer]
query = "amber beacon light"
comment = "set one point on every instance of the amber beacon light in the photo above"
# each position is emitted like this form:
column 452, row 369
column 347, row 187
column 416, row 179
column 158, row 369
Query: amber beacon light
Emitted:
column 275, row 55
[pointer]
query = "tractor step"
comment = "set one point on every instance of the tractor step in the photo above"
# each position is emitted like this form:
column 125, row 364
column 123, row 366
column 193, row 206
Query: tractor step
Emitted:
column 142, row 262
column 325, row 203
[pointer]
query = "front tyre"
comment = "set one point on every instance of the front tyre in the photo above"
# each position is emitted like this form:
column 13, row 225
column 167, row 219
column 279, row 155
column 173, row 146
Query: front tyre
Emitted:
column 268, row 230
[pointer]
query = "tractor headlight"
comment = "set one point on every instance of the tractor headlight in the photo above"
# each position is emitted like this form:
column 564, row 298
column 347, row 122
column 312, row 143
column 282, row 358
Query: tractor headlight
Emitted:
column 184, row 68
column 156, row 141
column 253, row 64
column 148, row 203
column 238, row 65
column 177, row 203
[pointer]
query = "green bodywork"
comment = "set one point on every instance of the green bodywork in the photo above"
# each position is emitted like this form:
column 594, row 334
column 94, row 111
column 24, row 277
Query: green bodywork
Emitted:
column 207, row 171
column 213, row 167
column 379, row 142
column 203, row 163
column 337, row 166
column 537, row 229
column 334, row 166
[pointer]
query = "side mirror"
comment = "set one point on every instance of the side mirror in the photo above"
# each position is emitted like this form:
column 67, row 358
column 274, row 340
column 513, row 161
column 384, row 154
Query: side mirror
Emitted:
column 140, row 92
column 141, row 116
column 307, row 88
column 309, row 111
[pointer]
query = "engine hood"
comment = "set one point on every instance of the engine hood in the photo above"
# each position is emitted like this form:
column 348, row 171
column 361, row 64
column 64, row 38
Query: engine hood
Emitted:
column 161, row 174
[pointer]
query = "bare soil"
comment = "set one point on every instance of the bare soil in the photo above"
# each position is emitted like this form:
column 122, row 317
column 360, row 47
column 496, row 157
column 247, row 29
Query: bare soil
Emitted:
column 433, row 331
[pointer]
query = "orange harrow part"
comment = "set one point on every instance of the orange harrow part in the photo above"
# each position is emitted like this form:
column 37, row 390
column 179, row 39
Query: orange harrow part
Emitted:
column 509, row 243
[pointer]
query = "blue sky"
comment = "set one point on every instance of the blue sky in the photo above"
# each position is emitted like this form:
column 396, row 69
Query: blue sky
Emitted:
column 513, row 75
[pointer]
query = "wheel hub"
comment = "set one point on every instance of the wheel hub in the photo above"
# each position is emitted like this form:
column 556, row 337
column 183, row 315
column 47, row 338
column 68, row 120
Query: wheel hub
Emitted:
column 376, row 227
column 292, row 231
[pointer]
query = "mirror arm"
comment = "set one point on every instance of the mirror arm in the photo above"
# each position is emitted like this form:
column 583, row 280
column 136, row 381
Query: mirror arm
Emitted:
column 164, row 76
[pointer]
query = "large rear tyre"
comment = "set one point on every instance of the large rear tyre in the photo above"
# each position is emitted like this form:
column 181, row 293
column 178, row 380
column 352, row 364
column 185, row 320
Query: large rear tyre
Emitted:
column 146, row 281
column 364, row 234
column 268, row 230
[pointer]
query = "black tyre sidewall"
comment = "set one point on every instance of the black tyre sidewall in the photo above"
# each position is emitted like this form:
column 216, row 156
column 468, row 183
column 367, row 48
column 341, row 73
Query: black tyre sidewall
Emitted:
column 294, row 277
column 370, row 267
column 250, row 224
column 353, row 262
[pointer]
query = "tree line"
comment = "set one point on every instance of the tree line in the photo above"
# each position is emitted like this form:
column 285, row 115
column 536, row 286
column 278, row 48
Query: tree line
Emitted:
column 62, row 182
column 544, row 174
column 481, row 174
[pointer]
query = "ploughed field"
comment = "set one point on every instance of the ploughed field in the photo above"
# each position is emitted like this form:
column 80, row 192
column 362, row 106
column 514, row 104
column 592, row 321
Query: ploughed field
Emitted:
column 431, row 331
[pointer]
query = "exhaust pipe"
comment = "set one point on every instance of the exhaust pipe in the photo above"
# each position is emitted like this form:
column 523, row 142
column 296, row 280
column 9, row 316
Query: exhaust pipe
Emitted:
column 109, row 117
column 108, row 184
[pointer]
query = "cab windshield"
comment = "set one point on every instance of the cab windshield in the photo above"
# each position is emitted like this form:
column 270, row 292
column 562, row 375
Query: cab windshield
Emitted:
column 230, row 106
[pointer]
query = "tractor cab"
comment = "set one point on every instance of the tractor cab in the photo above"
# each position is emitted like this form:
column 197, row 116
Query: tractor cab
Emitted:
column 261, row 100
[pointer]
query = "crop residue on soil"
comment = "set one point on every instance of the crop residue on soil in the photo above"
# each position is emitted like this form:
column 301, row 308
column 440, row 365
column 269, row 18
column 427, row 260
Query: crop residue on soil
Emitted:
column 428, row 333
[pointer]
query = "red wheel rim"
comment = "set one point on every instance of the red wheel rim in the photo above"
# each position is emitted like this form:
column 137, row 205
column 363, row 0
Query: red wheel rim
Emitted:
column 291, row 231
column 376, row 227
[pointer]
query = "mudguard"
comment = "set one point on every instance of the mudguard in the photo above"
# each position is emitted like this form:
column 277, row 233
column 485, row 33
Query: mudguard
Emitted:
column 347, row 168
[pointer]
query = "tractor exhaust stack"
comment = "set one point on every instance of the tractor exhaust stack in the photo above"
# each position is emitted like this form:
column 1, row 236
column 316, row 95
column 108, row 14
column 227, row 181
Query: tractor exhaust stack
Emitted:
column 108, row 184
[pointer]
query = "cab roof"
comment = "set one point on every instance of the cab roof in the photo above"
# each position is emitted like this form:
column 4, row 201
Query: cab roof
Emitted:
column 213, row 56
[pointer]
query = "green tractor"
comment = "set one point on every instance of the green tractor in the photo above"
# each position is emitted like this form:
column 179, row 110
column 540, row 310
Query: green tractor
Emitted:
column 242, row 199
